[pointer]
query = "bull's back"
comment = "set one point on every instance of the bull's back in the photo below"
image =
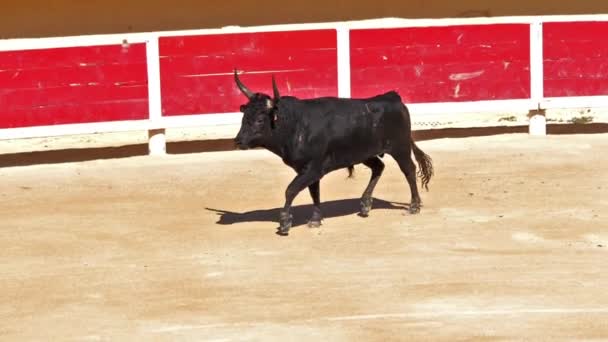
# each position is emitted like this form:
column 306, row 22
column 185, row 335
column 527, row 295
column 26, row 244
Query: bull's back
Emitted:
column 361, row 129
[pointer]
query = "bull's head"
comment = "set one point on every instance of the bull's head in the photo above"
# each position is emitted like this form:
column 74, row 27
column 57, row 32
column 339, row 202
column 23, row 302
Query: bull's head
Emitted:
column 258, row 116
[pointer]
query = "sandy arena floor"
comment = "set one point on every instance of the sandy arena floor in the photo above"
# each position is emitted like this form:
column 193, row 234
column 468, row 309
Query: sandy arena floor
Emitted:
column 511, row 244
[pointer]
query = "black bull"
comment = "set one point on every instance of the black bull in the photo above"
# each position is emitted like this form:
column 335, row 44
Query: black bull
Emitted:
column 317, row 136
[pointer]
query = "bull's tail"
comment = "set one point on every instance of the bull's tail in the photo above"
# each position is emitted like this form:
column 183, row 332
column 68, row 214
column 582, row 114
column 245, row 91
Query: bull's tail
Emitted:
column 425, row 165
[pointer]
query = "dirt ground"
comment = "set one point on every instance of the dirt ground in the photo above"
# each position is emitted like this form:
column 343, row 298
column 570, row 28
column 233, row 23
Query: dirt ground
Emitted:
column 511, row 244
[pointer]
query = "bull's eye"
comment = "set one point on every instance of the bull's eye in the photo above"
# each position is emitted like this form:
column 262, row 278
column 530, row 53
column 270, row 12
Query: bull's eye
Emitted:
column 259, row 120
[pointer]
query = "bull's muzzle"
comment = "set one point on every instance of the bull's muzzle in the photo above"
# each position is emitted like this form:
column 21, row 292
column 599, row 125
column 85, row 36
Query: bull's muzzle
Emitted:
column 238, row 142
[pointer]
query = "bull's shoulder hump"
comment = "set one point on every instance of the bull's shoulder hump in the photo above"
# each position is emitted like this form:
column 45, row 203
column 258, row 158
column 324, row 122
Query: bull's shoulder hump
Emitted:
column 388, row 96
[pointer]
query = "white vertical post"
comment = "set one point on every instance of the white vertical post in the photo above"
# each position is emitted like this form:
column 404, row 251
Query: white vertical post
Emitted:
column 537, row 120
column 343, row 46
column 157, row 144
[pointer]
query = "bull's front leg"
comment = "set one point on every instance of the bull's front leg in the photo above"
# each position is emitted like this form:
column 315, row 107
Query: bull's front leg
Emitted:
column 299, row 183
column 315, row 219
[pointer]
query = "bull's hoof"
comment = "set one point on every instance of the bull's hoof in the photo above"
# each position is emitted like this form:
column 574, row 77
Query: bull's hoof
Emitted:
column 414, row 209
column 366, row 207
column 315, row 219
column 285, row 221
column 314, row 223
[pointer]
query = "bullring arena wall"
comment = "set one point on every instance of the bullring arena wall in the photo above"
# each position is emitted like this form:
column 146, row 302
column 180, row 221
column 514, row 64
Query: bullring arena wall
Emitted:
column 456, row 72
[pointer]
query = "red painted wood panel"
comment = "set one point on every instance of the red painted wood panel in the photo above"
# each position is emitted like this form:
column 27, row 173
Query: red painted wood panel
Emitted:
column 442, row 64
column 73, row 85
column 575, row 57
column 197, row 71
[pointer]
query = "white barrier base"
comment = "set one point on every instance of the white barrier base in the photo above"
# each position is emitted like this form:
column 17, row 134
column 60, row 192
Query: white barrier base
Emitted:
column 157, row 142
column 226, row 126
column 538, row 123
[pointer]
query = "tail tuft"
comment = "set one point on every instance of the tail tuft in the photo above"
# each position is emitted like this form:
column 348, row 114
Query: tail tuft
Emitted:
column 425, row 163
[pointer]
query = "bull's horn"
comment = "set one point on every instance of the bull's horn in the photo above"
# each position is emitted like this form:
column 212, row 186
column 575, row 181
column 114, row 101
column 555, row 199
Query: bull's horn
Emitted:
column 242, row 87
column 275, row 90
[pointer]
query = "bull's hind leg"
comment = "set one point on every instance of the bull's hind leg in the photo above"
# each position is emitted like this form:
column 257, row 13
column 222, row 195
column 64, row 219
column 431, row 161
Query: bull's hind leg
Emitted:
column 377, row 166
column 407, row 166
column 315, row 220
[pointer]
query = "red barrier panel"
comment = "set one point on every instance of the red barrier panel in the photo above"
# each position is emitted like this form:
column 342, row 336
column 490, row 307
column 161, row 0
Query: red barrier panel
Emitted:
column 73, row 85
column 574, row 58
column 197, row 71
column 442, row 64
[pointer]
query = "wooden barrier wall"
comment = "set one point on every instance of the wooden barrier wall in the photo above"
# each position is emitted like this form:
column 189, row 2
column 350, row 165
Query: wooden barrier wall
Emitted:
column 72, row 85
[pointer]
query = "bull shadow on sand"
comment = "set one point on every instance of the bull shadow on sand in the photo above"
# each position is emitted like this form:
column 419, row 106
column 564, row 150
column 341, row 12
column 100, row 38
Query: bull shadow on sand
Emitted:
column 301, row 213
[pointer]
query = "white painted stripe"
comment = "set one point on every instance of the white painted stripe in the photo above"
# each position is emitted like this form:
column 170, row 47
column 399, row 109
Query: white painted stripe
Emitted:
column 471, row 106
column 389, row 23
column 575, row 102
column 202, row 120
column 344, row 71
column 89, row 40
column 195, row 120
column 72, row 129
column 416, row 109
column 574, row 17
column 536, row 62
column 423, row 121
column 154, row 86
column 72, row 41
column 443, row 111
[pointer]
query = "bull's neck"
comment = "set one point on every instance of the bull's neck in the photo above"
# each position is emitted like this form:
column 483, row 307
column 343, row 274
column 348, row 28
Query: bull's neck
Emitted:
column 280, row 139
column 275, row 148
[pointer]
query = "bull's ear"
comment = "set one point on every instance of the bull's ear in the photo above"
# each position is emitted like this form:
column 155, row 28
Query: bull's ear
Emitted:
column 269, row 103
